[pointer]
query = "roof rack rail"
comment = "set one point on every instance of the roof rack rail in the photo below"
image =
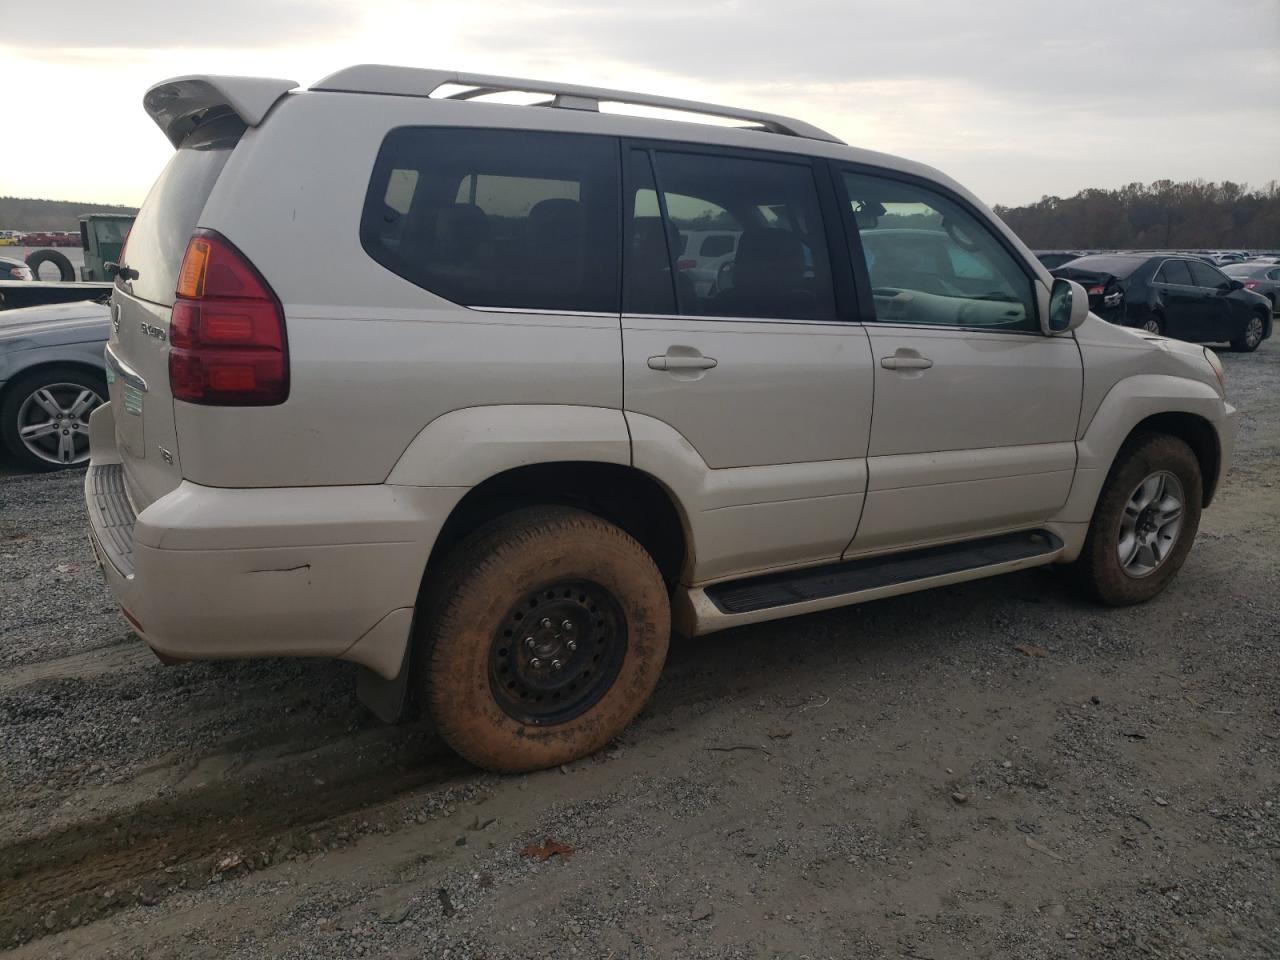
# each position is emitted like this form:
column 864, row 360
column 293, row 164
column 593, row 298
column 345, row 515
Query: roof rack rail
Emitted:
column 418, row 82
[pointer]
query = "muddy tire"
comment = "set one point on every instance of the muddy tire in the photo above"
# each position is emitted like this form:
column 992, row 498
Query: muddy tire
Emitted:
column 1145, row 521
column 542, row 638
column 66, row 272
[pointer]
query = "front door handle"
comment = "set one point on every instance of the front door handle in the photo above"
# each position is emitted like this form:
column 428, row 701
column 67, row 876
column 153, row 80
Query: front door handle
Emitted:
column 906, row 363
column 681, row 363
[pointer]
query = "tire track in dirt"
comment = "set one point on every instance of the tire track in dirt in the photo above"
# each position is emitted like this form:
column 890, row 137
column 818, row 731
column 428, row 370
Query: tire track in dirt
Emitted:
column 96, row 867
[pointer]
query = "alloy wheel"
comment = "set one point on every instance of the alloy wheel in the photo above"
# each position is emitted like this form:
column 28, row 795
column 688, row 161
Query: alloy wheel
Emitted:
column 53, row 422
column 1150, row 524
column 1253, row 332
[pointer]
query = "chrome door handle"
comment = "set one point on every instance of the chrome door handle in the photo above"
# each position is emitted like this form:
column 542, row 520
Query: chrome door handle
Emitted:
column 681, row 363
column 906, row 363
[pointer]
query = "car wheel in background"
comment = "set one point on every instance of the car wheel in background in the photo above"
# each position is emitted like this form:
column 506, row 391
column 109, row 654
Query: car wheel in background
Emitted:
column 1145, row 521
column 44, row 416
column 1255, row 329
column 1153, row 324
column 543, row 636
column 66, row 272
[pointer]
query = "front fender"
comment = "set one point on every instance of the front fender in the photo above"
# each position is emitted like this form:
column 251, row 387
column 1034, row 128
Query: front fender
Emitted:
column 1129, row 402
column 465, row 447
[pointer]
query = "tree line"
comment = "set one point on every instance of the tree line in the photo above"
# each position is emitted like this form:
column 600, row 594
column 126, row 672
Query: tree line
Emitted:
column 25, row 213
column 1161, row 215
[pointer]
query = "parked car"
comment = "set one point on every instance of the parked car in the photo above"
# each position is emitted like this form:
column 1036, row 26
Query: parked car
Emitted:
column 1258, row 276
column 704, row 253
column 495, row 459
column 52, row 376
column 11, row 269
column 9, row 238
column 1174, row 295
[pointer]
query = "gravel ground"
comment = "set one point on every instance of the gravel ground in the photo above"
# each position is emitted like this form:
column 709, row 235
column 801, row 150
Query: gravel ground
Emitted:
column 893, row 780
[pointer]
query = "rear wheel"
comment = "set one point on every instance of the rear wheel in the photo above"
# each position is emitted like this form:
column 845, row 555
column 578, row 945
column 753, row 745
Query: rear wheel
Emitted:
column 1145, row 521
column 543, row 638
column 44, row 416
column 1250, row 338
column 1153, row 324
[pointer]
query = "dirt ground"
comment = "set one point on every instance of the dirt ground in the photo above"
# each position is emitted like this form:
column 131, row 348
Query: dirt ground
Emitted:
column 894, row 780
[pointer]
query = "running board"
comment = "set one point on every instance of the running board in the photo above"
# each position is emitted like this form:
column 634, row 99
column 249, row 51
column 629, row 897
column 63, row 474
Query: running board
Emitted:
column 875, row 574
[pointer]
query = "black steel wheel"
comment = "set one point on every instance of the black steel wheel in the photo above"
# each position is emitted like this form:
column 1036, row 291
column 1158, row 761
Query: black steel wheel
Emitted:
column 558, row 650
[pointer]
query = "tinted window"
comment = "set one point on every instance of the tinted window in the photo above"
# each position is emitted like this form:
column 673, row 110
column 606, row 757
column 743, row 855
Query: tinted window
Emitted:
column 769, row 213
column 158, row 239
column 932, row 262
column 1175, row 271
column 1119, row 267
column 498, row 218
column 1206, row 276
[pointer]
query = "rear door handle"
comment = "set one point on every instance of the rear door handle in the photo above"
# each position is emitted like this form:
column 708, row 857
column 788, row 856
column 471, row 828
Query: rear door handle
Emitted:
column 906, row 363
column 681, row 363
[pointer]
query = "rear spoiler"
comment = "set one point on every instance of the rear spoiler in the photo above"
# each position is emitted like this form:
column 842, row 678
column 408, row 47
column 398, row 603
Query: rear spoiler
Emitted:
column 180, row 105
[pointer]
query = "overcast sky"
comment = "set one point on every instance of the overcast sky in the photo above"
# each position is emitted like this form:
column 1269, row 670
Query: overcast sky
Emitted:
column 1015, row 98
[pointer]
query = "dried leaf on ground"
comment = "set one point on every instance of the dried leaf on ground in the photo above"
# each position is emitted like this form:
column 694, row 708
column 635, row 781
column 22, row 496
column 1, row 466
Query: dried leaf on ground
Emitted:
column 549, row 848
column 1031, row 650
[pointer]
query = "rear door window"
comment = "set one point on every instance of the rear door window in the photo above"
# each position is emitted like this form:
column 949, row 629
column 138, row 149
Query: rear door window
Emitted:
column 766, row 213
column 498, row 218
column 1175, row 271
column 158, row 239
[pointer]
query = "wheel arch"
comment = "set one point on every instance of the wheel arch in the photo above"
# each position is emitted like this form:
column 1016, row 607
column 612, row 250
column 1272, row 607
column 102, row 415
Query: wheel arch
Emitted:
column 1197, row 433
column 628, row 497
column 1188, row 409
column 21, row 373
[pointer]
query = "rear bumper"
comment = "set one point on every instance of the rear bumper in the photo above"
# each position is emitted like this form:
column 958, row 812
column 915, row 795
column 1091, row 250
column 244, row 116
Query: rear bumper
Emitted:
column 213, row 573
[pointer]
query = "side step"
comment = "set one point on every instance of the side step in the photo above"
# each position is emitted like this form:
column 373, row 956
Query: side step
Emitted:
column 872, row 573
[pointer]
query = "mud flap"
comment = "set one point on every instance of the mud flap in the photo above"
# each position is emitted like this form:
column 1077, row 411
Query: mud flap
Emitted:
column 388, row 700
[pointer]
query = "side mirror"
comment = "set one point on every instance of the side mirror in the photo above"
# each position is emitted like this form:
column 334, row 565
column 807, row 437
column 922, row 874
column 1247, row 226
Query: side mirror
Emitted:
column 111, row 269
column 1236, row 285
column 1068, row 306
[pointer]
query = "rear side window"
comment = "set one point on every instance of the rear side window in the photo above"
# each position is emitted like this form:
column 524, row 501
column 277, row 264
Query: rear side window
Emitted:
column 763, row 212
column 158, row 239
column 498, row 218
column 1175, row 271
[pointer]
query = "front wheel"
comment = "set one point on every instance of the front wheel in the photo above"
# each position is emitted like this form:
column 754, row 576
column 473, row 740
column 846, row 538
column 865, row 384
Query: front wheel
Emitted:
column 543, row 638
column 1251, row 338
column 1154, row 325
column 1145, row 521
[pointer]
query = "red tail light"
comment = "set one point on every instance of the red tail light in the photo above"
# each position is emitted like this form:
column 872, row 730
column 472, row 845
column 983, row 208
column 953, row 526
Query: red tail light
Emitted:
column 227, row 343
column 1096, row 291
column 1251, row 284
column 686, row 264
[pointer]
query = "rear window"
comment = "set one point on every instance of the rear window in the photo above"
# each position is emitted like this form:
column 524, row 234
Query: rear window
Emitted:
column 498, row 218
column 158, row 239
column 1119, row 267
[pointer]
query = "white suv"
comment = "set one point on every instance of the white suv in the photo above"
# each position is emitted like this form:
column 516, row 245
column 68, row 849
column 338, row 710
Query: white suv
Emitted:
column 411, row 378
